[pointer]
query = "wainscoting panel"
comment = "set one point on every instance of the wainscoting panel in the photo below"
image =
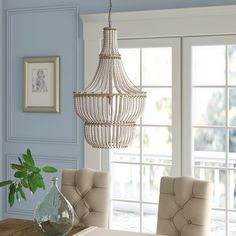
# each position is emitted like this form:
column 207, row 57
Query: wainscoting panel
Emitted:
column 45, row 31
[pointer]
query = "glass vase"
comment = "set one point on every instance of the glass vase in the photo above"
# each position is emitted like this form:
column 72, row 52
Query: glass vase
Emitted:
column 54, row 215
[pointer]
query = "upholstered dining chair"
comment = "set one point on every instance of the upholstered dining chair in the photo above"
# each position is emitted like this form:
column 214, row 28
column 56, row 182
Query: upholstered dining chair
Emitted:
column 88, row 191
column 184, row 207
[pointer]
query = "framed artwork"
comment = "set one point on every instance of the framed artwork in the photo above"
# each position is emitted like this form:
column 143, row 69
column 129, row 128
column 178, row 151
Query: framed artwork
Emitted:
column 42, row 84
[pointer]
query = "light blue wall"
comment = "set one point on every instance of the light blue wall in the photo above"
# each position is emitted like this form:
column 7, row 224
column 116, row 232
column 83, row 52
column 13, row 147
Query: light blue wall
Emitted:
column 50, row 27
column 55, row 138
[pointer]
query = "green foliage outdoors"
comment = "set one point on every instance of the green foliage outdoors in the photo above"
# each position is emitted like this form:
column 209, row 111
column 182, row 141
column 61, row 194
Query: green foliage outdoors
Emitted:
column 214, row 139
column 27, row 176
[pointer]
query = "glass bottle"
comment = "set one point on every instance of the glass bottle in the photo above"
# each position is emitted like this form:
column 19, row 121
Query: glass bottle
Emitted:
column 54, row 215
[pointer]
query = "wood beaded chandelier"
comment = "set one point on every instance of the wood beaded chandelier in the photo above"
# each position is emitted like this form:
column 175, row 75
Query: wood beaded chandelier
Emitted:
column 111, row 103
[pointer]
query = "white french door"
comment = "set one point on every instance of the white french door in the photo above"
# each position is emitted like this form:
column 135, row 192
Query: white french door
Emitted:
column 154, row 66
column 210, row 83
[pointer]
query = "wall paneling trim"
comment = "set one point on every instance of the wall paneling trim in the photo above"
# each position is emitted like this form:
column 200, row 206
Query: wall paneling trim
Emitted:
column 38, row 32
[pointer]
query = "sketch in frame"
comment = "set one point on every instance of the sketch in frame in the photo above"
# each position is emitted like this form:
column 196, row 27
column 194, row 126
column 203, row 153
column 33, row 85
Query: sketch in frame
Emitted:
column 39, row 80
column 42, row 84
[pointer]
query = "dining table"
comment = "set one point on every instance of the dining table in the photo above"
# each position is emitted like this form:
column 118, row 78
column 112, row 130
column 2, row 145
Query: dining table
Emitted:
column 97, row 231
column 20, row 227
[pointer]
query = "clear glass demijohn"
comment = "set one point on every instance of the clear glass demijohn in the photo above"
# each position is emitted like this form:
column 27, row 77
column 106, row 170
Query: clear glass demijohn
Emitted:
column 54, row 215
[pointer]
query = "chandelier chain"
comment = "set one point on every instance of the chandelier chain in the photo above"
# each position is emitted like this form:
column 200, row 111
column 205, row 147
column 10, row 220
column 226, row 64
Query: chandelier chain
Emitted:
column 109, row 15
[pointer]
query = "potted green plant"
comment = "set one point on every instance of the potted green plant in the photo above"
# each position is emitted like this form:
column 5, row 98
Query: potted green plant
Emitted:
column 54, row 215
column 27, row 176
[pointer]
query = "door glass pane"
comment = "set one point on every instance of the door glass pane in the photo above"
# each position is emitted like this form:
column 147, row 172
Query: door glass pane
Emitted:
column 131, row 61
column 158, row 110
column 208, row 106
column 232, row 154
column 130, row 154
column 209, row 159
column 151, row 181
column 125, row 216
column 150, row 218
column 208, row 65
column 156, row 158
column 232, row 106
column 232, row 143
column 157, row 66
column 232, row 223
column 126, row 185
column 218, row 223
column 232, row 189
column 232, row 64
column 217, row 177
column 156, row 140
column 126, row 155
column 209, row 139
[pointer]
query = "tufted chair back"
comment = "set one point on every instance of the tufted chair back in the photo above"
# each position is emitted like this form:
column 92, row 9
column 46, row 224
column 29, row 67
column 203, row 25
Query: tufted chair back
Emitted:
column 88, row 191
column 184, row 207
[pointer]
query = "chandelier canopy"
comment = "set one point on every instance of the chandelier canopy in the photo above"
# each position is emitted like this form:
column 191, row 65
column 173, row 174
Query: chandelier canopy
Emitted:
column 111, row 104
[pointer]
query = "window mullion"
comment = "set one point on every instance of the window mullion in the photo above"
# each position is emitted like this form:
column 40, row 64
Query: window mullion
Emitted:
column 141, row 151
column 227, row 142
column 187, row 140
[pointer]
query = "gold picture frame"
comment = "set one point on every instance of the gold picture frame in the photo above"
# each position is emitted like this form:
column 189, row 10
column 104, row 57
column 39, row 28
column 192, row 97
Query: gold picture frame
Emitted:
column 42, row 84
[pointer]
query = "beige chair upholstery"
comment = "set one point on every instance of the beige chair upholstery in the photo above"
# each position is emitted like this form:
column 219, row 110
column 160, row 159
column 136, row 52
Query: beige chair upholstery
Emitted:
column 89, row 193
column 184, row 207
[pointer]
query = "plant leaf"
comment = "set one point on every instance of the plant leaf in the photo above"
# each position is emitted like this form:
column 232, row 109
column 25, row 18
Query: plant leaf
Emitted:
column 11, row 195
column 24, row 182
column 38, row 179
column 5, row 183
column 28, row 166
column 49, row 169
column 20, row 160
column 21, row 192
column 30, row 158
column 20, row 174
column 18, row 167
column 36, row 170
column 32, row 184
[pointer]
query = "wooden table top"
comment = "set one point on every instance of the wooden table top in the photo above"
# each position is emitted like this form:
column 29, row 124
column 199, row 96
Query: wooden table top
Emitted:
column 18, row 227
column 96, row 231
